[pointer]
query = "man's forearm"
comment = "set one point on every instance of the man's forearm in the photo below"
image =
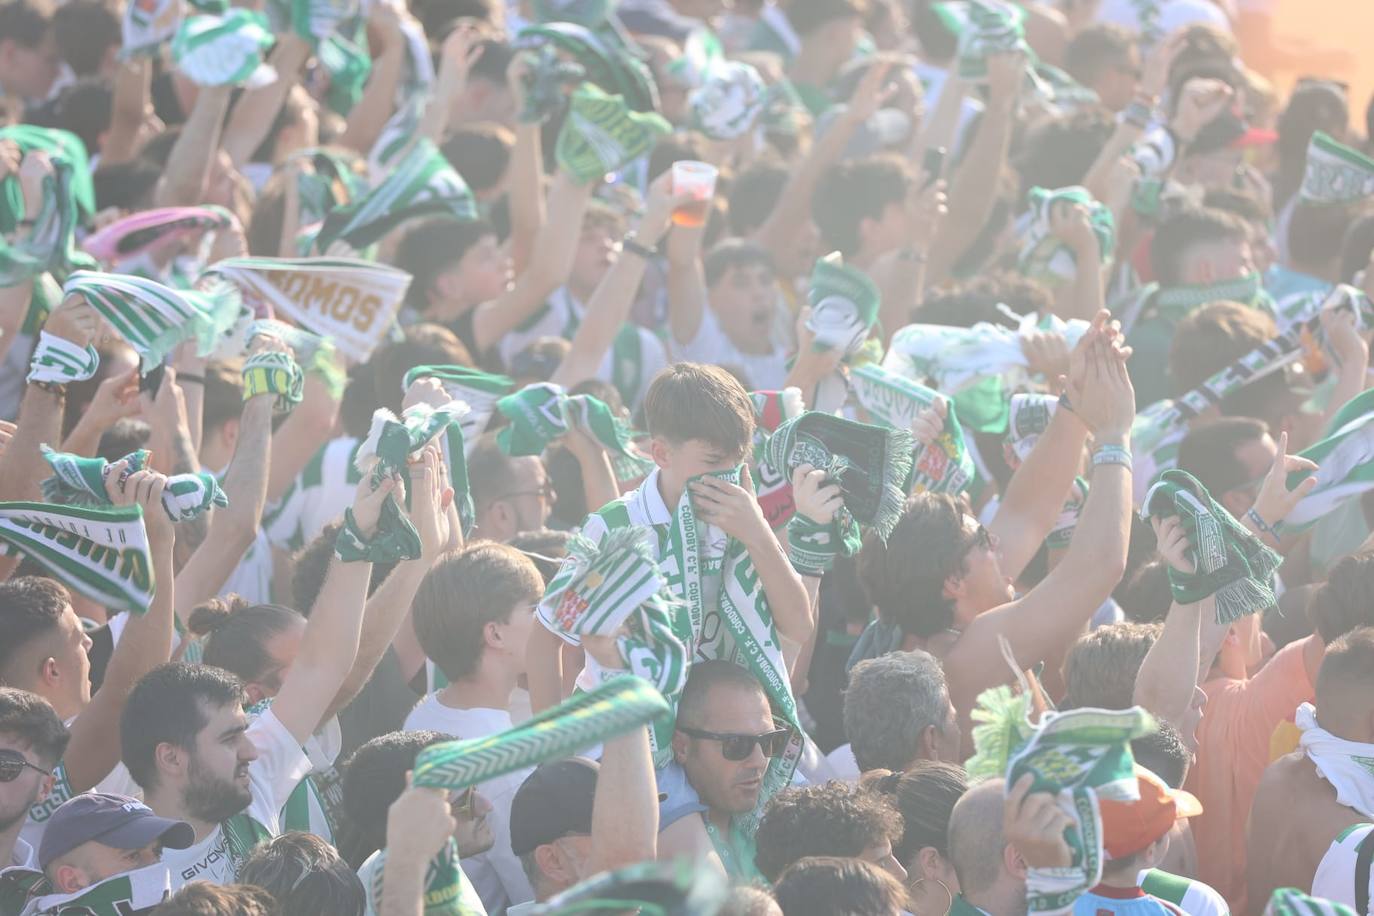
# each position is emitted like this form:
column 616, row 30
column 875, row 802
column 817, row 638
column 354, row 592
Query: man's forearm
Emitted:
column 606, row 313
column 975, row 188
column 382, row 618
column 625, row 808
column 1035, row 494
column 188, row 168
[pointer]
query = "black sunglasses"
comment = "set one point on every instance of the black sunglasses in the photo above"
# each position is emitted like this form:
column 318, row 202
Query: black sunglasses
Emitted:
column 738, row 747
column 982, row 539
column 12, row 763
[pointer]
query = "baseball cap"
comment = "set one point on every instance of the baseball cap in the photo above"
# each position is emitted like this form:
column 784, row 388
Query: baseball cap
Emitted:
column 553, row 801
column 1130, row 826
column 1229, row 131
column 115, row 820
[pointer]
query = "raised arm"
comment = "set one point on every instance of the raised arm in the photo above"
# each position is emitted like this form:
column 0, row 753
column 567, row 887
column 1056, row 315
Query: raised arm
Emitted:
column 462, row 48
column 378, row 102
column 1084, row 298
column 526, row 182
column 330, row 644
column 556, row 244
column 145, row 643
column 298, row 438
column 687, row 294
column 130, row 108
column 418, row 826
column 256, row 110
column 625, row 806
column 187, row 174
column 1055, row 610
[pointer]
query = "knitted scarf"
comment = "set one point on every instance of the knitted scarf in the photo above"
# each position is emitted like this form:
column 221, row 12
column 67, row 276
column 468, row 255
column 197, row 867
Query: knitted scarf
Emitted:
column 1232, row 563
column 59, row 145
column 153, row 318
column 79, row 481
column 351, row 302
column 224, row 49
column 1043, row 257
column 100, row 553
column 944, row 466
column 475, row 388
column 48, row 245
column 602, row 134
column 542, row 412
column 844, row 305
column 132, row 893
column 1335, row 174
column 1345, row 463
column 956, row 358
column 56, row 359
column 772, row 488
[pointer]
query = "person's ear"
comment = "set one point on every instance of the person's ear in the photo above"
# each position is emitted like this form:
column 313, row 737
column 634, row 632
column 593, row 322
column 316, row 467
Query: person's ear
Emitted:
column 254, row 693
column 1013, row 863
column 679, row 746
column 68, row 879
column 954, row 588
column 49, row 671
column 658, row 450
column 491, row 635
column 549, row 860
column 171, row 759
column 927, row 863
column 446, row 287
column 928, row 743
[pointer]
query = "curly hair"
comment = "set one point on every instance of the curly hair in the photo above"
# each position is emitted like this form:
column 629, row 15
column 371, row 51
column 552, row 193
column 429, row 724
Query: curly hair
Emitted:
column 831, row 819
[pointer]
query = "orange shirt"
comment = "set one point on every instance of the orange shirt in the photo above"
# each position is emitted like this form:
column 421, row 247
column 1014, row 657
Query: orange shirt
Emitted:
column 1233, row 750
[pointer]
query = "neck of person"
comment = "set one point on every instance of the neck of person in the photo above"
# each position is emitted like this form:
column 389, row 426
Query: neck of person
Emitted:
column 169, row 802
column 8, row 838
column 1120, row 878
column 670, row 496
column 719, row 819
column 489, row 687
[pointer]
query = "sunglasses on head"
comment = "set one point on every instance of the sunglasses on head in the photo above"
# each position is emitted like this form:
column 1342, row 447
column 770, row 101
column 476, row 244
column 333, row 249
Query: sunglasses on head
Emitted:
column 738, row 747
column 12, row 763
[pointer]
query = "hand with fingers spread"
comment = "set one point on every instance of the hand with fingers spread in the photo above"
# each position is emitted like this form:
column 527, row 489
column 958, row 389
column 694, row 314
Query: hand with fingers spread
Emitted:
column 1202, row 100
column 731, row 507
column 1035, row 824
column 929, row 422
column 816, row 496
column 1173, row 544
column 1047, row 353
column 1099, row 389
column 1275, row 501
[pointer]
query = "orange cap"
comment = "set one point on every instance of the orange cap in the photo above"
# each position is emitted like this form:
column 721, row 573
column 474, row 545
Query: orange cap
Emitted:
column 1130, row 826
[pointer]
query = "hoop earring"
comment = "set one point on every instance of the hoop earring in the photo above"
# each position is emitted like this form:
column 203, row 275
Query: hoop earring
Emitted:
column 943, row 886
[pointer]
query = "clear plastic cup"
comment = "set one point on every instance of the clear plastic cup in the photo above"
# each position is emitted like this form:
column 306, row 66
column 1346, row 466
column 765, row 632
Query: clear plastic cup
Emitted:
column 699, row 180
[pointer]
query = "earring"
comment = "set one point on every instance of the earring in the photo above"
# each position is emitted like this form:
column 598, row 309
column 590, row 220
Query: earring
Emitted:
column 943, row 886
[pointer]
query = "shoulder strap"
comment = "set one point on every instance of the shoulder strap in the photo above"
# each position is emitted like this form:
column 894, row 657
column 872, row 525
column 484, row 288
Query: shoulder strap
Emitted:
column 1364, row 856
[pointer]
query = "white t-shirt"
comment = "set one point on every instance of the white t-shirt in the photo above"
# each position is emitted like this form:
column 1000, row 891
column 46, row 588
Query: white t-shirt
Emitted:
column 1335, row 878
column 496, row 874
column 763, row 372
column 318, row 496
column 280, row 765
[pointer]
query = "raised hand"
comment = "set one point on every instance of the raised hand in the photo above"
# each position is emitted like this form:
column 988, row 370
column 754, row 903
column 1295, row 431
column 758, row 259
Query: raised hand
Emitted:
column 1199, row 104
column 418, row 824
column 1275, row 501
column 74, row 320
column 367, row 501
column 430, row 496
column 1173, row 544
column 730, row 507
column 426, row 391
column 144, row 489
column 815, row 497
column 658, row 209
column 1034, row 824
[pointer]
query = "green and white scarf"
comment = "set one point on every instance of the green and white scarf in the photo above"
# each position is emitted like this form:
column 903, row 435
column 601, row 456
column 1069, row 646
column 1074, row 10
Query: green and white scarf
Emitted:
column 549, row 79
column 617, row 589
column 477, row 389
column 447, row 891
column 100, row 553
column 148, row 25
column 276, row 373
column 1345, row 463
column 844, row 305
column 1043, row 256
column 58, row 360
column 128, row 894
column 1232, row 564
column 421, row 184
column 870, row 463
column 48, row 245
column 617, row 706
column 389, row 444
column 602, row 134
column 680, row 888
column 331, row 182
column 1079, row 756
column 1030, row 416
column 224, row 50
column 772, row 488
column 984, row 27
column 153, row 318
column 945, row 466
column 350, row 302
column 1176, row 302
column 313, row 20
column 60, row 145
column 728, row 102
column 727, row 616
column 957, row 358
column 1335, row 174
column 1289, row 901
column 79, row 481
column 542, row 412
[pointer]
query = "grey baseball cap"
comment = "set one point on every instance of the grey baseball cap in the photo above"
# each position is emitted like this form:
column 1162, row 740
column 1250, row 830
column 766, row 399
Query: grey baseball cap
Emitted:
column 115, row 820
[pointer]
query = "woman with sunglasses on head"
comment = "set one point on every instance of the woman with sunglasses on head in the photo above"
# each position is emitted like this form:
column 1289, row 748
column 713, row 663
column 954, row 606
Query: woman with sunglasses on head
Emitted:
column 943, row 583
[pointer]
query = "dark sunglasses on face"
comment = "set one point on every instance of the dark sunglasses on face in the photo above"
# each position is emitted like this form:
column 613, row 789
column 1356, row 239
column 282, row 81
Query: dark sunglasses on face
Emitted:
column 982, row 540
column 462, row 804
column 738, row 747
column 12, row 763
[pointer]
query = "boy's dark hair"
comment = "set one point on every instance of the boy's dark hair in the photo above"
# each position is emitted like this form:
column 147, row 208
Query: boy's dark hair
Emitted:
column 1059, row 151
column 424, row 344
column 689, row 401
column 438, row 16
column 734, row 254
column 480, row 153
column 85, row 31
column 126, row 435
column 306, row 876
column 30, row 607
column 904, row 577
column 312, row 564
column 1145, row 597
column 1162, row 753
column 31, row 719
column 168, row 706
column 462, row 593
column 1345, row 601
column 1097, row 49
column 201, row 898
column 1205, row 53
column 126, row 185
column 830, row 819
column 703, row 677
column 825, row 885
column 853, row 191
column 235, row 634
column 23, row 22
column 1209, row 452
column 432, row 247
column 1180, row 233
column 806, row 16
column 373, row 778
column 754, row 193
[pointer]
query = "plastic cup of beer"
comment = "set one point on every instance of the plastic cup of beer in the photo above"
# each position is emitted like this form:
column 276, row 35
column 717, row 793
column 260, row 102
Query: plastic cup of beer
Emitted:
column 697, row 179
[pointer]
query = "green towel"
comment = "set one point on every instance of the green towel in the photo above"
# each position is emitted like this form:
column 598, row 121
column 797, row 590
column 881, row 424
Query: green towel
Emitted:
column 224, row 49
column 602, row 134
column 1232, row 563
column 79, row 481
column 844, row 305
column 1043, row 257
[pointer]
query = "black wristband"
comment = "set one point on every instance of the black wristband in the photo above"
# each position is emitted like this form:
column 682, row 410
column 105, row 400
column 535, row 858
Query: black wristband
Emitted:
column 633, row 245
column 184, row 377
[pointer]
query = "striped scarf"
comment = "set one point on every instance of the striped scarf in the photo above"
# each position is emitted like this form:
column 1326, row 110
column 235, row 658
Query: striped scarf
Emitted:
column 147, row 26
column 1335, row 174
column 944, row 466
column 681, row 888
column 58, row 360
column 772, row 488
column 79, row 481
column 422, row 183
column 350, row 302
column 1043, row 256
column 844, row 305
column 224, row 49
column 128, row 894
column 313, row 20
column 100, row 553
column 541, row 413
column 1289, row 901
column 154, row 319
column 477, row 389
column 48, row 245
column 59, row 145
column 602, row 134
column 1345, row 463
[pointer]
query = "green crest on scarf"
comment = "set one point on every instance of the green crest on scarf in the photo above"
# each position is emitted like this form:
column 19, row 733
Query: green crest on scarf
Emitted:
column 844, row 304
column 1232, row 563
column 602, row 134
column 1335, row 174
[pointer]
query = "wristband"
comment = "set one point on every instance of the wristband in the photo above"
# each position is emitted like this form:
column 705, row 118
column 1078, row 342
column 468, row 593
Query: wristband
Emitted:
column 1137, row 114
column 632, row 244
column 911, row 255
column 273, row 372
column 1112, row 454
column 1263, row 526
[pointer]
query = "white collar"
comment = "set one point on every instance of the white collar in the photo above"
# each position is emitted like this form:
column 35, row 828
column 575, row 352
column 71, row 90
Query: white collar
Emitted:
column 651, row 502
column 23, row 855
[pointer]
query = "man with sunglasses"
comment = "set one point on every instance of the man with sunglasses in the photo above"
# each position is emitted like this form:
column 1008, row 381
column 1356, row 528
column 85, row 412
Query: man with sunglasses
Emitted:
column 726, row 735
column 32, row 739
column 510, row 494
